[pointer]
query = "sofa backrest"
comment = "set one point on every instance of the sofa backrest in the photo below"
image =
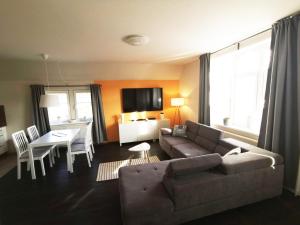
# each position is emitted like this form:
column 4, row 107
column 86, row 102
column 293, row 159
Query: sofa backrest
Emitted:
column 208, row 137
column 191, row 129
column 205, row 136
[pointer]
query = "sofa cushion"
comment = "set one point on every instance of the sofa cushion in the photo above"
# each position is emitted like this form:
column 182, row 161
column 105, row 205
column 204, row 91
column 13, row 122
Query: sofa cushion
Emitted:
column 182, row 167
column 189, row 149
column 191, row 129
column 142, row 193
column 205, row 143
column 175, row 140
column 247, row 161
column 208, row 137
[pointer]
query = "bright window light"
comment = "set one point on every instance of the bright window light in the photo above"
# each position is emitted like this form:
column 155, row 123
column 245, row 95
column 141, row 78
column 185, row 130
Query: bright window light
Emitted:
column 83, row 105
column 237, row 86
column 75, row 104
column 61, row 112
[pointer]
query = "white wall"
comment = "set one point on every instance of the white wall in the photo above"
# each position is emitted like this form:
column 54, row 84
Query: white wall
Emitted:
column 17, row 75
column 189, row 89
column 15, row 96
column 20, row 70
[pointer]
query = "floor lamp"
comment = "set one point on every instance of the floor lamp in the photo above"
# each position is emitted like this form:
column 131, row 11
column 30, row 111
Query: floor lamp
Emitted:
column 177, row 102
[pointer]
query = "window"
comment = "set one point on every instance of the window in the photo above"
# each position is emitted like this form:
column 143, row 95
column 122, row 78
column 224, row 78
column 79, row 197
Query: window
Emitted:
column 238, row 81
column 83, row 105
column 75, row 104
column 61, row 112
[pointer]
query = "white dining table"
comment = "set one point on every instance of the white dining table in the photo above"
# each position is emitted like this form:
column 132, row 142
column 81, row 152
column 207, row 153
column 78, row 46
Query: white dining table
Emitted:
column 54, row 137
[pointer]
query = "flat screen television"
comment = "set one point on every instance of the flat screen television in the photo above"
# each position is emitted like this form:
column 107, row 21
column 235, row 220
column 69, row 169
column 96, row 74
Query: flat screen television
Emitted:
column 142, row 99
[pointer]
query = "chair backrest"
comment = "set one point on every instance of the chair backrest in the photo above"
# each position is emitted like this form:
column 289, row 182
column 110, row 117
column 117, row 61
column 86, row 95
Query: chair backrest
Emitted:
column 88, row 135
column 20, row 142
column 33, row 133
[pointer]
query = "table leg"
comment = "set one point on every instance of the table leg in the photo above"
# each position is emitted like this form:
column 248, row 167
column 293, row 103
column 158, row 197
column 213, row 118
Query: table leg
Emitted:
column 33, row 176
column 69, row 159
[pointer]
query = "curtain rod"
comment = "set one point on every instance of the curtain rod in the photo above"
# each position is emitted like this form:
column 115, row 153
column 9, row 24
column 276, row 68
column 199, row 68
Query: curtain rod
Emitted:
column 289, row 16
column 242, row 40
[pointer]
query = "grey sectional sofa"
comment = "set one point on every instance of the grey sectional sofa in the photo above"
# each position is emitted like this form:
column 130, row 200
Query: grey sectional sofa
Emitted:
column 198, row 181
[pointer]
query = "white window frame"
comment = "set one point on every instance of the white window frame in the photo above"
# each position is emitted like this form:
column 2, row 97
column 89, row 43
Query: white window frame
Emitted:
column 229, row 128
column 71, row 93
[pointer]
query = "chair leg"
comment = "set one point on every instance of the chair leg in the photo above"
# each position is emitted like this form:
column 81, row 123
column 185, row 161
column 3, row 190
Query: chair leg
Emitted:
column 91, row 155
column 88, row 158
column 57, row 151
column 93, row 150
column 28, row 166
column 19, row 170
column 52, row 154
column 43, row 167
column 50, row 159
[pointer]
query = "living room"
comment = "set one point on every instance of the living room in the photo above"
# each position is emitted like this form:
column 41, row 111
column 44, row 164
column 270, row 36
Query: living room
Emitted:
column 149, row 112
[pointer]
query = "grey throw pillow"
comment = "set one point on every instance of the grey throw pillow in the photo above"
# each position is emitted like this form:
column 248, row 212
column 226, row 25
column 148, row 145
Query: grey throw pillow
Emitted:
column 179, row 130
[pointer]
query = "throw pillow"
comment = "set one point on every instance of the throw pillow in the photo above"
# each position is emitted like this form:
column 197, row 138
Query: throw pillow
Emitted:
column 179, row 130
column 234, row 151
column 166, row 131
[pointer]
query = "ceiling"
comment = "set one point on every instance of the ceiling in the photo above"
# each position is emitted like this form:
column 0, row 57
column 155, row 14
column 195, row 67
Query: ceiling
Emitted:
column 92, row 30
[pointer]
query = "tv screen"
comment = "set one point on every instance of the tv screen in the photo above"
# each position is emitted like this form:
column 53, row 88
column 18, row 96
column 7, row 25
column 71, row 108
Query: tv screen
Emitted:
column 142, row 99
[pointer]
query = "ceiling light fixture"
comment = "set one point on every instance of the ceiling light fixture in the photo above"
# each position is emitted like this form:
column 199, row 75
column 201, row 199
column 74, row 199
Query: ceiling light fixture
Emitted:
column 136, row 40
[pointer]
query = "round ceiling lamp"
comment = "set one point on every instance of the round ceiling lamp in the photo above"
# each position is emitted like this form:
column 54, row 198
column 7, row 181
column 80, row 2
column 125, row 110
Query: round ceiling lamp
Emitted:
column 136, row 40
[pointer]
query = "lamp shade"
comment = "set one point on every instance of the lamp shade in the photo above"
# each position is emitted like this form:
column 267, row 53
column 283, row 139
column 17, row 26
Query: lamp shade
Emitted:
column 49, row 101
column 177, row 102
column 2, row 116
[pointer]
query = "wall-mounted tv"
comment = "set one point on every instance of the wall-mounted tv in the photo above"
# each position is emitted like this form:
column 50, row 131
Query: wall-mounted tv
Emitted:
column 142, row 99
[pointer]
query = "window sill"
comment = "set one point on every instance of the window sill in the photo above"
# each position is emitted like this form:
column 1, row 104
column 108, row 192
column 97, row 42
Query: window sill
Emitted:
column 239, row 134
column 73, row 122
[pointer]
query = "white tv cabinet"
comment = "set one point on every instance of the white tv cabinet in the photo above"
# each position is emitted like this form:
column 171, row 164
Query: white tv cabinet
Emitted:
column 141, row 130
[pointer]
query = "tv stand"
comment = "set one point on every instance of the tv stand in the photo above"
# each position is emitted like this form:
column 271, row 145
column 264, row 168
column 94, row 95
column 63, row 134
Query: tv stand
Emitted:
column 141, row 130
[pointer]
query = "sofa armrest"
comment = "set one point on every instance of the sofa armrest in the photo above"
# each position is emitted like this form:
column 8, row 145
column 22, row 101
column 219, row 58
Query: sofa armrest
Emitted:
column 278, row 159
column 245, row 162
column 166, row 131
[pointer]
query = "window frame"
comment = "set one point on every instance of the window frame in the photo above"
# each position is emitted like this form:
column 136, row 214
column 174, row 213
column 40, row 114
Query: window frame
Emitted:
column 266, row 36
column 71, row 93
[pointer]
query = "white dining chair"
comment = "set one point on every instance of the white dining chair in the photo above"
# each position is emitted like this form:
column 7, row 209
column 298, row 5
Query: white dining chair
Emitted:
column 83, row 148
column 89, row 137
column 34, row 134
column 22, row 147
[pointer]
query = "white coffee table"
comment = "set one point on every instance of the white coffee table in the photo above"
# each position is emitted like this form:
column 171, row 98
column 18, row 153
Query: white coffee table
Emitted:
column 143, row 148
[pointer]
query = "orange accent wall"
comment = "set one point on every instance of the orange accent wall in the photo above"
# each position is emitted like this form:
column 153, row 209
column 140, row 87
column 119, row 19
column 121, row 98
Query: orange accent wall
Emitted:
column 111, row 96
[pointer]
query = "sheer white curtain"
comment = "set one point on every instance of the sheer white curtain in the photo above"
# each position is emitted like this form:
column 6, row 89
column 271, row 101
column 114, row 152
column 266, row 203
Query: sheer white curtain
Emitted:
column 238, row 80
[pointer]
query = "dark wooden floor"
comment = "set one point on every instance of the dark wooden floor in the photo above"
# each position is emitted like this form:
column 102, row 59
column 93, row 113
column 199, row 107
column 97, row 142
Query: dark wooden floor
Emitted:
column 70, row 199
